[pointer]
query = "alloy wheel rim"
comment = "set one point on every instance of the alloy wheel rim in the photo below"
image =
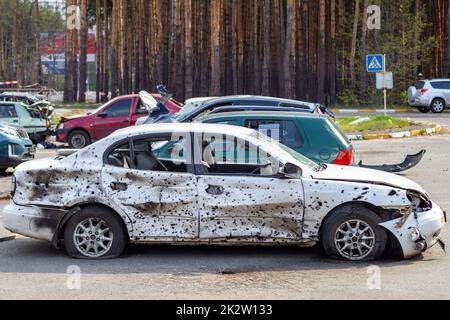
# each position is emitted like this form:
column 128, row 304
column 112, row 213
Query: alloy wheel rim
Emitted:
column 93, row 238
column 355, row 240
column 78, row 141
column 438, row 106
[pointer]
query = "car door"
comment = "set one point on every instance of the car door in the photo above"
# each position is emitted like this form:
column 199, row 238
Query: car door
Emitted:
column 237, row 202
column 158, row 194
column 446, row 91
column 113, row 117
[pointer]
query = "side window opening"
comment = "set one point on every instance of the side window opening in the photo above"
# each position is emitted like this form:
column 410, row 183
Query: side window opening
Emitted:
column 151, row 154
column 121, row 156
column 141, row 109
column 119, row 109
column 228, row 155
column 284, row 131
column 8, row 111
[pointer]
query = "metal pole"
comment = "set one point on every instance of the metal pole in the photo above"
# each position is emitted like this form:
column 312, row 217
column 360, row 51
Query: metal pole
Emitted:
column 384, row 85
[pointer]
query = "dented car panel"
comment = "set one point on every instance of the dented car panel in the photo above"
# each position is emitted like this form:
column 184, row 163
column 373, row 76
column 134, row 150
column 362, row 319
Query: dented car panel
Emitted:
column 419, row 231
column 198, row 207
column 322, row 197
column 161, row 204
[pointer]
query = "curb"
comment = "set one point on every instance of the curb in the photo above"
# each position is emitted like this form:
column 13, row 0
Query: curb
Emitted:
column 397, row 135
column 377, row 111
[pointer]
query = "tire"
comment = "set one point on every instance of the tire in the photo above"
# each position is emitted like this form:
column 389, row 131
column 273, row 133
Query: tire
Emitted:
column 438, row 105
column 336, row 240
column 79, row 139
column 37, row 138
column 99, row 219
column 424, row 109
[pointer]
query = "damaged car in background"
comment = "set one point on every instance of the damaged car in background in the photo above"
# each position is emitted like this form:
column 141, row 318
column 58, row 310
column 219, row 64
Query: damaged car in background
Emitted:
column 307, row 128
column 131, row 188
column 15, row 146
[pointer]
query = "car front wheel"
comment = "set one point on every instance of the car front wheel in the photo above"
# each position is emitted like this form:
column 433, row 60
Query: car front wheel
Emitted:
column 79, row 139
column 438, row 106
column 95, row 233
column 354, row 234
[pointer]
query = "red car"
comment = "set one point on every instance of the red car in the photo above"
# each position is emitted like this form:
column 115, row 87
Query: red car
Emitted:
column 118, row 113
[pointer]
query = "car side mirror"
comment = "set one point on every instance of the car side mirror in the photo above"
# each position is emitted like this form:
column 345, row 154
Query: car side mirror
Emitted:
column 290, row 170
column 103, row 115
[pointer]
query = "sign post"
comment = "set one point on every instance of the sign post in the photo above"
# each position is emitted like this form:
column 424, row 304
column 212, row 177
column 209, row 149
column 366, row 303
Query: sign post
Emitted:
column 385, row 80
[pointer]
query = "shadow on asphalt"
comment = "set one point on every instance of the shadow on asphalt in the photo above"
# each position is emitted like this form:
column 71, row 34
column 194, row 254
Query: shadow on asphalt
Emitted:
column 30, row 256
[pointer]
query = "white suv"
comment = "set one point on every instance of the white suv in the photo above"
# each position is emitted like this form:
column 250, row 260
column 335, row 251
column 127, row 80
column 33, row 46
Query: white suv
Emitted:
column 429, row 95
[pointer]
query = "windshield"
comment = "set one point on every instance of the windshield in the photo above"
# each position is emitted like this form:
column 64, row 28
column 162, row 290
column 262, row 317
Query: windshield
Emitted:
column 287, row 152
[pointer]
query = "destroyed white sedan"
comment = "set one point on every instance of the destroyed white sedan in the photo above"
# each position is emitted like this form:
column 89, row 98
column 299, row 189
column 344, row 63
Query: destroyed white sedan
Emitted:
column 218, row 185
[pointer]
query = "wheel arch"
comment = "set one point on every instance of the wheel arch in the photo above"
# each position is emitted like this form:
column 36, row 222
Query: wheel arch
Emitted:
column 79, row 129
column 77, row 208
column 438, row 98
column 354, row 204
column 393, row 246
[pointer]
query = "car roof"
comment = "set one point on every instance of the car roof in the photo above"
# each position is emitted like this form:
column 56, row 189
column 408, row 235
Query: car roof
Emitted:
column 257, row 98
column 433, row 80
column 278, row 114
column 180, row 127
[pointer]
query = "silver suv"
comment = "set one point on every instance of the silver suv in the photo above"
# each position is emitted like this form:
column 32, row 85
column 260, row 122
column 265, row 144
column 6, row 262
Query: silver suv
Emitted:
column 429, row 95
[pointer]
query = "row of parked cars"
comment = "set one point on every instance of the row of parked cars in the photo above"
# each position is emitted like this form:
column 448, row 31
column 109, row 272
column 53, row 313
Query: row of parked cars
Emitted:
column 25, row 121
column 240, row 170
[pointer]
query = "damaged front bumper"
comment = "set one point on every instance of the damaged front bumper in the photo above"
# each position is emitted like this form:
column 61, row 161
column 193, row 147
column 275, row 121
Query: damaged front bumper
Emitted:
column 33, row 222
column 418, row 231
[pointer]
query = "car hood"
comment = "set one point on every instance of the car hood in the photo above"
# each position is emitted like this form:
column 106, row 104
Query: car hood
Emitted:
column 71, row 118
column 361, row 175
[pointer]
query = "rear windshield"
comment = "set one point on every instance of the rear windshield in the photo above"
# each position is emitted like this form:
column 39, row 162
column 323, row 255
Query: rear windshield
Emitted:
column 419, row 85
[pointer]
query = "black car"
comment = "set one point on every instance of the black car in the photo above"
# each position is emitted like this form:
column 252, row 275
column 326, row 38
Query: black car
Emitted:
column 255, row 103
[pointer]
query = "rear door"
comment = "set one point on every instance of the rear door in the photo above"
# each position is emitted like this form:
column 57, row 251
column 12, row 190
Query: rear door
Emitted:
column 158, row 193
column 115, row 116
column 446, row 91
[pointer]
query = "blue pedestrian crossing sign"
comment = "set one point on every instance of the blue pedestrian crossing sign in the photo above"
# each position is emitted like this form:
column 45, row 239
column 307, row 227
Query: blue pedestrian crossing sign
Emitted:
column 375, row 63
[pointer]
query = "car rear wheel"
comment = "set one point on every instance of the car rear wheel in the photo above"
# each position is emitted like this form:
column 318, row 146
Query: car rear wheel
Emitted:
column 79, row 139
column 424, row 109
column 438, row 106
column 354, row 234
column 95, row 233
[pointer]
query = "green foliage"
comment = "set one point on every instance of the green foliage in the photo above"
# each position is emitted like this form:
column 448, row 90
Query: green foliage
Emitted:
column 408, row 46
column 376, row 123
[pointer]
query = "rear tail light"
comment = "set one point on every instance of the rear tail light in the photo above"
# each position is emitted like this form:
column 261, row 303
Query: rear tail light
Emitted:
column 344, row 158
column 423, row 91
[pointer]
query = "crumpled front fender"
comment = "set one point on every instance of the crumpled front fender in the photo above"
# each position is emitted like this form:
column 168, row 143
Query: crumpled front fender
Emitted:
column 428, row 224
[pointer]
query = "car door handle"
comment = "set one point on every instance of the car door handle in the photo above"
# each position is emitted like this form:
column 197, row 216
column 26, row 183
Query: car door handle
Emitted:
column 119, row 186
column 215, row 190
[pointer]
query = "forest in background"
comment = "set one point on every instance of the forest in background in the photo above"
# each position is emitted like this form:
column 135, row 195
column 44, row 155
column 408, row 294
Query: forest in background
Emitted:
column 311, row 50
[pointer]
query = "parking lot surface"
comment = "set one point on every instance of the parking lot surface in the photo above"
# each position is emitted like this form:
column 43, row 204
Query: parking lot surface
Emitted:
column 34, row 269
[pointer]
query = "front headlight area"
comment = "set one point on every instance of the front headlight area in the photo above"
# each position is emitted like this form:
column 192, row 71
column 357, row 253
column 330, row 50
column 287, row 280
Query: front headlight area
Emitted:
column 15, row 151
column 420, row 202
